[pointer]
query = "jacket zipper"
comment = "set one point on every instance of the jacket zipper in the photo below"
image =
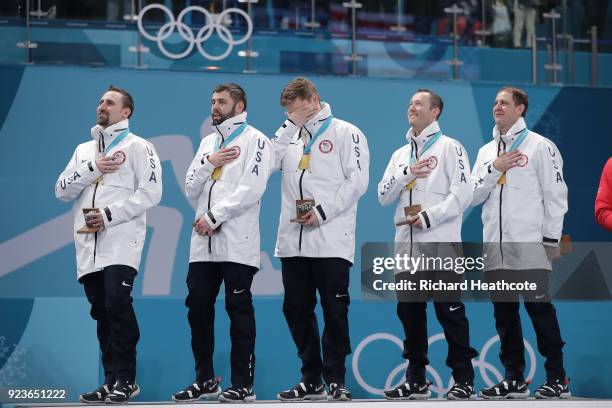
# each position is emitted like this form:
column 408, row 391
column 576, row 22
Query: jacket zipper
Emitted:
column 501, row 190
column 101, row 147
column 301, row 198
column 209, row 197
column 415, row 150
column 93, row 205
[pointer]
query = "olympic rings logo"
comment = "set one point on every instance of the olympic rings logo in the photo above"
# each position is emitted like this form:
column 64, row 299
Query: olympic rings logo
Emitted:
column 213, row 23
column 438, row 386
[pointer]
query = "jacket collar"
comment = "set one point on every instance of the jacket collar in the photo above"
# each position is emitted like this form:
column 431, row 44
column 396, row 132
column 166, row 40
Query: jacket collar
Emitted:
column 512, row 133
column 422, row 138
column 315, row 123
column 105, row 137
column 226, row 128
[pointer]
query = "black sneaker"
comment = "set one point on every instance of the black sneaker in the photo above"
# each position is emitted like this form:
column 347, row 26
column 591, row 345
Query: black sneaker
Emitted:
column 97, row 396
column 554, row 389
column 237, row 394
column 207, row 390
column 122, row 392
column 461, row 391
column 303, row 391
column 507, row 389
column 409, row 391
column 338, row 392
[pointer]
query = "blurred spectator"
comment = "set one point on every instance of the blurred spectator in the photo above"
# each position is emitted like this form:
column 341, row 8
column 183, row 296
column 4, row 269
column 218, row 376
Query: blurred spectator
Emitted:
column 595, row 13
column 500, row 27
column 445, row 25
column 423, row 11
column 524, row 16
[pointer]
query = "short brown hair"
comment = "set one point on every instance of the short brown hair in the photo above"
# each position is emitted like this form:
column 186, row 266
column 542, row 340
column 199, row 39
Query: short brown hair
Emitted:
column 236, row 92
column 299, row 87
column 519, row 96
column 435, row 101
column 126, row 99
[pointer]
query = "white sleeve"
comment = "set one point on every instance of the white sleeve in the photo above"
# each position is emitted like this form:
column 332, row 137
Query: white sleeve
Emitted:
column 280, row 142
column 397, row 176
column 355, row 161
column 198, row 172
column 250, row 187
column 484, row 179
column 75, row 178
column 148, row 174
column 460, row 195
column 554, row 191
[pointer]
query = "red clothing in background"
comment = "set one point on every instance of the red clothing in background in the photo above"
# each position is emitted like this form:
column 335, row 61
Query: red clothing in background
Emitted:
column 603, row 202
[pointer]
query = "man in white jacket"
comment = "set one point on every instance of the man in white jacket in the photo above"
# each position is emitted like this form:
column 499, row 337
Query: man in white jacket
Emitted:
column 430, row 174
column 227, row 177
column 119, row 175
column 518, row 176
column 326, row 160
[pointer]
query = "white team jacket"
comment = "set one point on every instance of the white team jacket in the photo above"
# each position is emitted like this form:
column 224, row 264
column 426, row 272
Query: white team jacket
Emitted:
column 230, row 205
column 123, row 197
column 529, row 208
column 443, row 195
column 337, row 178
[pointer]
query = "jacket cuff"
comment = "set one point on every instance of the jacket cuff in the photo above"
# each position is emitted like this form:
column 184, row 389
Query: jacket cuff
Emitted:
column 493, row 172
column 207, row 166
column 287, row 126
column 425, row 220
column 89, row 170
column 212, row 220
column 407, row 175
column 322, row 216
column 109, row 220
column 548, row 241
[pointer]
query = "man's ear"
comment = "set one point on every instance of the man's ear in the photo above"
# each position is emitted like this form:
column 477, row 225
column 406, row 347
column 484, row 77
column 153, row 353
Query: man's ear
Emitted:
column 239, row 107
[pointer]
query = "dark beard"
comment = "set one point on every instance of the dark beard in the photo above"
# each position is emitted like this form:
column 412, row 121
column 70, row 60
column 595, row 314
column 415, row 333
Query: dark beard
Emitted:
column 223, row 117
column 103, row 121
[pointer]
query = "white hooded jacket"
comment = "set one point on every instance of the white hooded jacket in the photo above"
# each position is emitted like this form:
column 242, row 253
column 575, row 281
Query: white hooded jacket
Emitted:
column 336, row 179
column 231, row 204
column 123, row 197
column 529, row 207
column 443, row 195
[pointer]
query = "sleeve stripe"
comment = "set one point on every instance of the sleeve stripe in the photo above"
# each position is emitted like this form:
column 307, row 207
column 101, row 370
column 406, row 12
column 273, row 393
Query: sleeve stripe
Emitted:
column 426, row 218
column 320, row 209
column 108, row 213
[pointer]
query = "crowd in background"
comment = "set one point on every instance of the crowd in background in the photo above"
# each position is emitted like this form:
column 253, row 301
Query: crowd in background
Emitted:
column 509, row 23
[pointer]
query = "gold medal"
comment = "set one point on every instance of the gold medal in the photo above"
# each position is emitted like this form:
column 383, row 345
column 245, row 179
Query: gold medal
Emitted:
column 411, row 185
column 502, row 179
column 304, row 161
column 216, row 174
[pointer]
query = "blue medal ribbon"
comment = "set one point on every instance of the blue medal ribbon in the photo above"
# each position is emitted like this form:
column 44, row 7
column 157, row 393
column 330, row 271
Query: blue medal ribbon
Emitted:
column 231, row 137
column 117, row 140
column 433, row 139
column 321, row 130
column 521, row 137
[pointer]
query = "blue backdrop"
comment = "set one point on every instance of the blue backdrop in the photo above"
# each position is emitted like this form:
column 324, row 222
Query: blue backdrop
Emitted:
column 47, row 338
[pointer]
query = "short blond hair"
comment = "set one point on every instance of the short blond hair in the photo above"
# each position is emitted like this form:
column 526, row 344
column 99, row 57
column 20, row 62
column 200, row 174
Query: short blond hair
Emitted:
column 299, row 87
